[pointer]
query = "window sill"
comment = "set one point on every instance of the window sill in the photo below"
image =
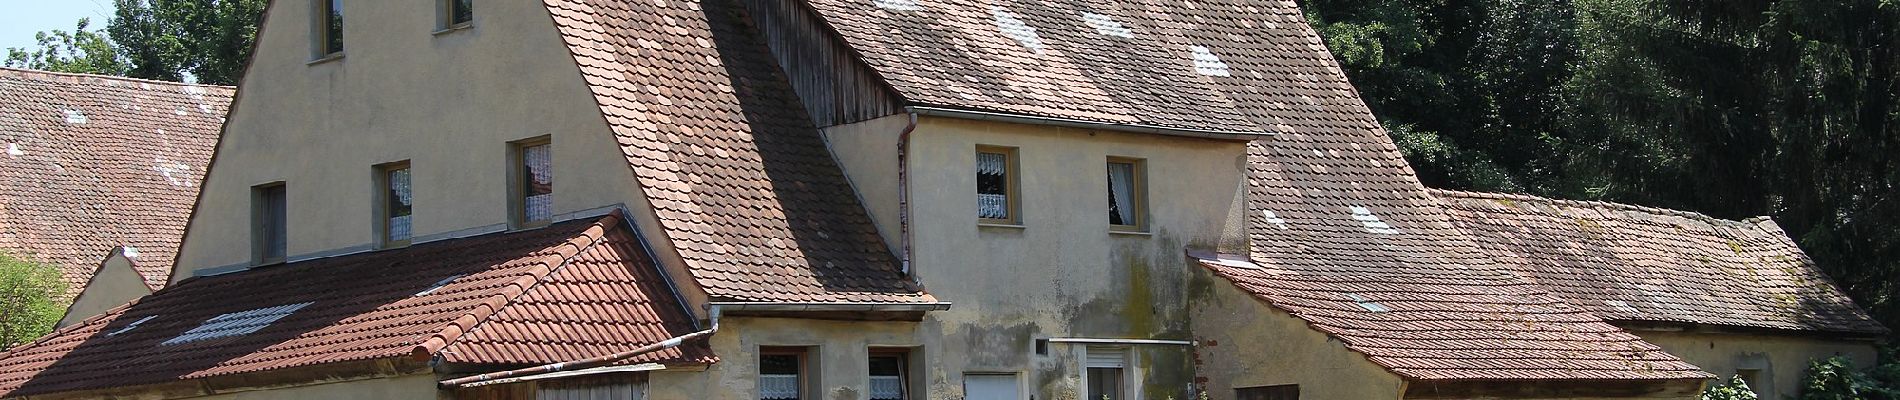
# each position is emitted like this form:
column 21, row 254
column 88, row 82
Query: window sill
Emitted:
column 999, row 226
column 325, row 59
column 453, row 29
column 1130, row 233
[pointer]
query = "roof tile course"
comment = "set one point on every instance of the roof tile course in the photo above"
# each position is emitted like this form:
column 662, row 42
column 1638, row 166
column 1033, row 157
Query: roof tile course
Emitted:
column 742, row 183
column 1630, row 263
column 367, row 306
column 91, row 163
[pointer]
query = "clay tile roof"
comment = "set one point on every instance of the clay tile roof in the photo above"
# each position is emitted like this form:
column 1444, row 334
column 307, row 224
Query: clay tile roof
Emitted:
column 516, row 295
column 1223, row 65
column 740, row 179
column 1631, row 263
column 90, row 163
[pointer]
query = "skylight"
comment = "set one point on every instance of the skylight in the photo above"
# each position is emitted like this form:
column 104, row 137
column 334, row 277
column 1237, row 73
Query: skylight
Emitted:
column 129, row 327
column 1206, row 63
column 1367, row 304
column 1106, row 25
column 237, row 324
column 1372, row 222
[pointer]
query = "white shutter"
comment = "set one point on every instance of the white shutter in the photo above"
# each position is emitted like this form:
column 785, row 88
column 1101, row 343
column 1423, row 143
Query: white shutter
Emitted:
column 1107, row 357
column 990, row 387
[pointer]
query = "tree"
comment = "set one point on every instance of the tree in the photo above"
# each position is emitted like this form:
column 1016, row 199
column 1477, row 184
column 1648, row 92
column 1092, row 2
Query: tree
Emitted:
column 209, row 40
column 29, row 300
column 81, row 51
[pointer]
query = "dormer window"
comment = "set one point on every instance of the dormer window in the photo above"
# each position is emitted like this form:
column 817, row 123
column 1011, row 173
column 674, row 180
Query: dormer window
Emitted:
column 533, row 177
column 328, row 28
column 395, row 204
column 454, row 14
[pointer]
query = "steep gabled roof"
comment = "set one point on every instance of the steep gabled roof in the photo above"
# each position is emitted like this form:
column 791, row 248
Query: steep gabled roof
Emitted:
column 90, row 163
column 505, row 298
column 1631, row 263
column 1250, row 67
column 741, row 181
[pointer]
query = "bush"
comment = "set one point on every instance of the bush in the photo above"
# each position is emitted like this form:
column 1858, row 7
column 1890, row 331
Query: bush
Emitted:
column 30, row 296
column 1835, row 379
column 1734, row 389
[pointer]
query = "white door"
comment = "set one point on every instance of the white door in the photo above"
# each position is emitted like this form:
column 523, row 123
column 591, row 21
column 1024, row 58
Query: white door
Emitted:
column 990, row 387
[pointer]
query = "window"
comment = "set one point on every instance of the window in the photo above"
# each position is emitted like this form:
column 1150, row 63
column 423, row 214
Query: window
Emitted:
column 1127, row 197
column 1275, row 392
column 890, row 375
column 533, row 188
column 329, row 27
column 1106, row 373
column 394, row 204
column 989, row 386
column 996, row 186
column 455, row 13
column 268, row 213
column 782, row 374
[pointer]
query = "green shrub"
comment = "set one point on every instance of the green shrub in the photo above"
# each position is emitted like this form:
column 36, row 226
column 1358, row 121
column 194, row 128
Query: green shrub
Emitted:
column 1734, row 389
column 1836, row 379
column 30, row 296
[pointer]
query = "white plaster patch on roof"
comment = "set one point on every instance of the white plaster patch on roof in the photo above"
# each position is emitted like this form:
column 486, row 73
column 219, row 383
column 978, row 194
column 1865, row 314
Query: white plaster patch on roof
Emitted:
column 175, row 173
column 1274, row 219
column 131, row 252
column 1623, row 306
column 1014, row 27
column 181, row 111
column 1367, row 304
column 438, row 285
column 898, row 5
column 129, row 327
column 1206, row 63
column 13, row 149
column 205, row 108
column 75, row 116
column 237, row 323
column 1106, row 25
column 1372, row 222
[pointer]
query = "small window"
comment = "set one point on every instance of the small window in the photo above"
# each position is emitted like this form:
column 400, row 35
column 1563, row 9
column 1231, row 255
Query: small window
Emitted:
column 890, row 377
column 1127, row 194
column 455, row 13
column 1107, row 373
column 997, row 201
column 533, row 176
column 1275, row 392
column 268, row 225
column 782, row 374
column 329, row 27
column 394, row 204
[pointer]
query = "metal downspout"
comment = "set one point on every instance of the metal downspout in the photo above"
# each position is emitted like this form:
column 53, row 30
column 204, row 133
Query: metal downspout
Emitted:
column 903, row 191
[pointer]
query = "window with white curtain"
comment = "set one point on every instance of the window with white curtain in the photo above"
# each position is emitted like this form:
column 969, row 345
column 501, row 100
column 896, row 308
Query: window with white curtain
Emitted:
column 533, row 183
column 887, row 376
column 1127, row 202
column 781, row 376
column 397, row 204
column 996, row 182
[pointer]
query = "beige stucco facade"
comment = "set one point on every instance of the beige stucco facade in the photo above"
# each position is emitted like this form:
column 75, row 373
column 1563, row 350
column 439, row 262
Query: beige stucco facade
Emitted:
column 1780, row 361
column 115, row 283
column 420, row 386
column 1253, row 344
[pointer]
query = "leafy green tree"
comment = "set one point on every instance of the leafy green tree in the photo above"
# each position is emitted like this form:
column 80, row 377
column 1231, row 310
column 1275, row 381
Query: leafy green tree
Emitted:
column 1733, row 389
column 80, row 51
column 30, row 301
column 209, row 40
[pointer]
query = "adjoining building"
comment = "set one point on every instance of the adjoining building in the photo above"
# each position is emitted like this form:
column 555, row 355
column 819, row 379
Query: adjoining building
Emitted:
column 95, row 167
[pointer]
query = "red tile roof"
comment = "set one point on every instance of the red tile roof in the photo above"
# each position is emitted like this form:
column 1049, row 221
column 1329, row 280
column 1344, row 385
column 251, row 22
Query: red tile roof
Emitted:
column 1631, row 263
column 90, row 163
column 515, row 295
column 742, row 183
column 1222, row 65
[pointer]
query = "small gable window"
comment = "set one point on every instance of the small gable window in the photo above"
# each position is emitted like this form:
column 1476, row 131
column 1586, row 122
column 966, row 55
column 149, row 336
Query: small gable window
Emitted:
column 996, row 186
column 1127, row 197
column 329, row 28
column 395, row 204
column 533, row 176
column 268, row 223
column 454, row 14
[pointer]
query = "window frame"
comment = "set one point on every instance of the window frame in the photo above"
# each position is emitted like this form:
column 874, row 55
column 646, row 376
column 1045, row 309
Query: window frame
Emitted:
column 909, row 361
column 517, row 182
column 262, row 222
column 381, row 204
column 1126, row 377
column 445, row 16
column 1268, row 392
column 325, row 14
column 1139, row 192
column 1012, row 176
column 1014, row 377
column 807, row 382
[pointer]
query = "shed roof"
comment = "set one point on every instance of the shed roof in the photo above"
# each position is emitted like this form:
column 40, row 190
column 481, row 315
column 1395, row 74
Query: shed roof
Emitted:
column 1632, row 263
column 91, row 163
column 572, row 290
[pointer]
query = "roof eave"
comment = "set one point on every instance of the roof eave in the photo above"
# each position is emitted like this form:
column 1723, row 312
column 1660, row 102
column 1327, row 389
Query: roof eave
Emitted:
column 964, row 113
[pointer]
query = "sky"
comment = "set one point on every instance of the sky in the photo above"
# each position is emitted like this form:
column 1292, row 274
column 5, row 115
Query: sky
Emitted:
column 20, row 19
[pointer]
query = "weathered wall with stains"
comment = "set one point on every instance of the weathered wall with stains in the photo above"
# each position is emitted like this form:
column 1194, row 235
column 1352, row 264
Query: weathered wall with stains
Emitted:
column 1062, row 272
column 115, row 283
column 839, row 351
column 1243, row 342
column 448, row 102
column 409, row 387
column 1781, row 360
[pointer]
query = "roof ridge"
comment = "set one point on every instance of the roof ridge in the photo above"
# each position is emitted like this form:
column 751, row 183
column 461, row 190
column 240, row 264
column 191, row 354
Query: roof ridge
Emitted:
column 1692, row 215
column 564, row 252
column 38, row 73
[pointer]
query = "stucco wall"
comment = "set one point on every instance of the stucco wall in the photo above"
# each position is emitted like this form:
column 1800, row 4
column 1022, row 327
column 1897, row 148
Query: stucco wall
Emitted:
column 1062, row 273
column 447, row 102
column 115, row 283
column 1783, row 361
column 408, row 387
column 841, row 350
column 1243, row 342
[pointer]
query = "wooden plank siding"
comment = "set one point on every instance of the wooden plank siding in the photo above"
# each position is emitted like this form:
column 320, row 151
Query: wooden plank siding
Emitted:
column 831, row 81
